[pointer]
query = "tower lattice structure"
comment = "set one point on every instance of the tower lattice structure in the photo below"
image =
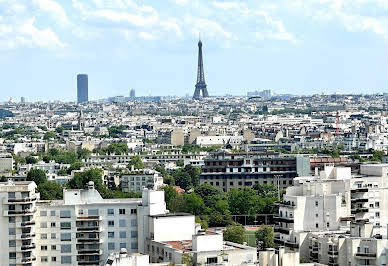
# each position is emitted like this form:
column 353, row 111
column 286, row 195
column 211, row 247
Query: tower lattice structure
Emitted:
column 201, row 84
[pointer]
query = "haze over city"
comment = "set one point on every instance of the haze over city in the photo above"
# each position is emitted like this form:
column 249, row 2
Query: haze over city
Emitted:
column 298, row 47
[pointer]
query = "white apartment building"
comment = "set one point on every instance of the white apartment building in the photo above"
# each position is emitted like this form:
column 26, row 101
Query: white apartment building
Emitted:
column 336, row 218
column 137, row 180
column 17, row 223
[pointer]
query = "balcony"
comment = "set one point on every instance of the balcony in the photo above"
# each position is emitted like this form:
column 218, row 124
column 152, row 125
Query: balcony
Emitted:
column 25, row 224
column 359, row 190
column 19, row 212
column 89, row 251
column 282, row 230
column 28, row 247
column 365, row 255
column 20, row 200
column 359, row 210
column 279, row 241
column 25, row 236
column 291, row 244
column 89, row 229
column 284, row 219
column 332, row 253
column 88, row 262
column 359, row 200
column 26, row 260
column 347, row 219
column 287, row 204
column 89, row 218
column 86, row 239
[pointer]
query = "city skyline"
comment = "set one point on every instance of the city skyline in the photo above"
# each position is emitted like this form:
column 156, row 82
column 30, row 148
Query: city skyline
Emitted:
column 315, row 47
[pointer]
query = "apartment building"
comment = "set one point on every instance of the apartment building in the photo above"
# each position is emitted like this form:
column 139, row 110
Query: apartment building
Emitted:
column 337, row 218
column 17, row 223
column 83, row 228
column 235, row 170
column 136, row 181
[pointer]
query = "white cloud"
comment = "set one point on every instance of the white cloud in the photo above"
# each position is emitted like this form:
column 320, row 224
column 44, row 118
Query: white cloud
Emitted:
column 147, row 36
column 124, row 17
column 53, row 9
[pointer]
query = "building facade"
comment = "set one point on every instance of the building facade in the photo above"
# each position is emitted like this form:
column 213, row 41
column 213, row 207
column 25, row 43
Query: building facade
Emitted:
column 236, row 170
column 82, row 88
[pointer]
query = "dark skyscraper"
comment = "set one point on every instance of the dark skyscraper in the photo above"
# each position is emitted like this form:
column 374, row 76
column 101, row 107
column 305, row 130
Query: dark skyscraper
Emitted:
column 201, row 85
column 82, row 88
column 132, row 93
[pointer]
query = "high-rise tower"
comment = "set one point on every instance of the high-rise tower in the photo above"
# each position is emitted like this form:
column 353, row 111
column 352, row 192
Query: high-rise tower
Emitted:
column 201, row 85
column 82, row 88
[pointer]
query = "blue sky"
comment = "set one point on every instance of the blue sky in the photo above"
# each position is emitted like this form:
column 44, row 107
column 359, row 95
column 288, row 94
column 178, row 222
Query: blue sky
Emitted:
column 298, row 46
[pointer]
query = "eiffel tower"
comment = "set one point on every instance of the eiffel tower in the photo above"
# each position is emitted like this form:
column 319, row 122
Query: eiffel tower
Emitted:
column 201, row 85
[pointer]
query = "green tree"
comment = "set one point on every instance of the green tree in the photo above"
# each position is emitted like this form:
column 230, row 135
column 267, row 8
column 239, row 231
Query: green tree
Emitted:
column 50, row 190
column 265, row 236
column 31, row 159
column 49, row 135
column 266, row 190
column 194, row 173
column 83, row 154
column 182, row 179
column 203, row 222
column 81, row 180
column 193, row 204
column 37, row 175
column 235, row 233
column 136, row 162
column 170, row 194
column 59, row 130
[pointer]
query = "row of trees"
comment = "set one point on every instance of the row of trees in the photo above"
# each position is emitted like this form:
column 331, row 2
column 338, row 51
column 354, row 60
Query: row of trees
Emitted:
column 215, row 207
column 264, row 235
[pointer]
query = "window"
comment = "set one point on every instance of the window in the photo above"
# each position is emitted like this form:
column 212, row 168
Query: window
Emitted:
column 316, row 225
column 43, row 236
column 11, row 195
column 43, row 247
column 53, row 224
column 65, row 236
column 377, row 204
column 133, row 234
column 134, row 245
column 11, row 219
column 52, row 213
column 377, row 214
column 211, row 260
column 53, row 258
column 327, row 224
column 11, row 231
column 12, row 255
column 123, row 245
column 93, row 212
column 121, row 211
column 66, row 260
column 122, row 223
column 64, row 214
column 65, row 225
column 133, row 222
column 316, row 203
column 133, row 211
column 123, row 234
column 43, row 225
column 316, row 215
column 111, row 223
column 43, row 213
column 12, row 243
column 111, row 234
column 53, row 235
column 53, row 247
column 111, row 211
column 65, row 248
column 44, row 259
column 111, row 246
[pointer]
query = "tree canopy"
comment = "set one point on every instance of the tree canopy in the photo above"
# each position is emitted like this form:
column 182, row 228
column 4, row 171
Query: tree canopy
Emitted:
column 235, row 233
column 265, row 237
column 37, row 175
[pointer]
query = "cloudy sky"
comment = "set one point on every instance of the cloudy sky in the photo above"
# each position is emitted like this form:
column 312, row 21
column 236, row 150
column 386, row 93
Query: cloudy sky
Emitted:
column 290, row 46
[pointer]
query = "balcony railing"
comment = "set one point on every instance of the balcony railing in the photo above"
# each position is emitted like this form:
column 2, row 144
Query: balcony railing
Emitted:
column 365, row 255
column 284, row 219
column 89, row 218
column 282, row 230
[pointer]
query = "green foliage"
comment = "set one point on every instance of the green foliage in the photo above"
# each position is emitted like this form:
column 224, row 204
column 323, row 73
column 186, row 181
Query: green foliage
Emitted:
column 37, row 175
column 170, row 194
column 187, row 259
column 186, row 177
column 180, row 163
column 193, row 204
column 81, row 180
column 377, row 156
column 136, row 162
column 235, row 233
column 116, row 131
column 49, row 135
column 5, row 113
column 266, row 190
column 203, row 222
column 59, row 130
column 31, row 159
column 62, row 172
column 116, row 148
column 83, row 154
column 50, row 190
column 19, row 160
column 3, row 179
column 265, row 235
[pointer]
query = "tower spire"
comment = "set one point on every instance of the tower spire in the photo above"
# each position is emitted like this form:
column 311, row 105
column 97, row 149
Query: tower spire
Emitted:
column 201, row 84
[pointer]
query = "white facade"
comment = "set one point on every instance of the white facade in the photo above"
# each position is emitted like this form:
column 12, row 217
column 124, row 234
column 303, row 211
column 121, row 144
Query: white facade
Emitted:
column 138, row 180
column 6, row 163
